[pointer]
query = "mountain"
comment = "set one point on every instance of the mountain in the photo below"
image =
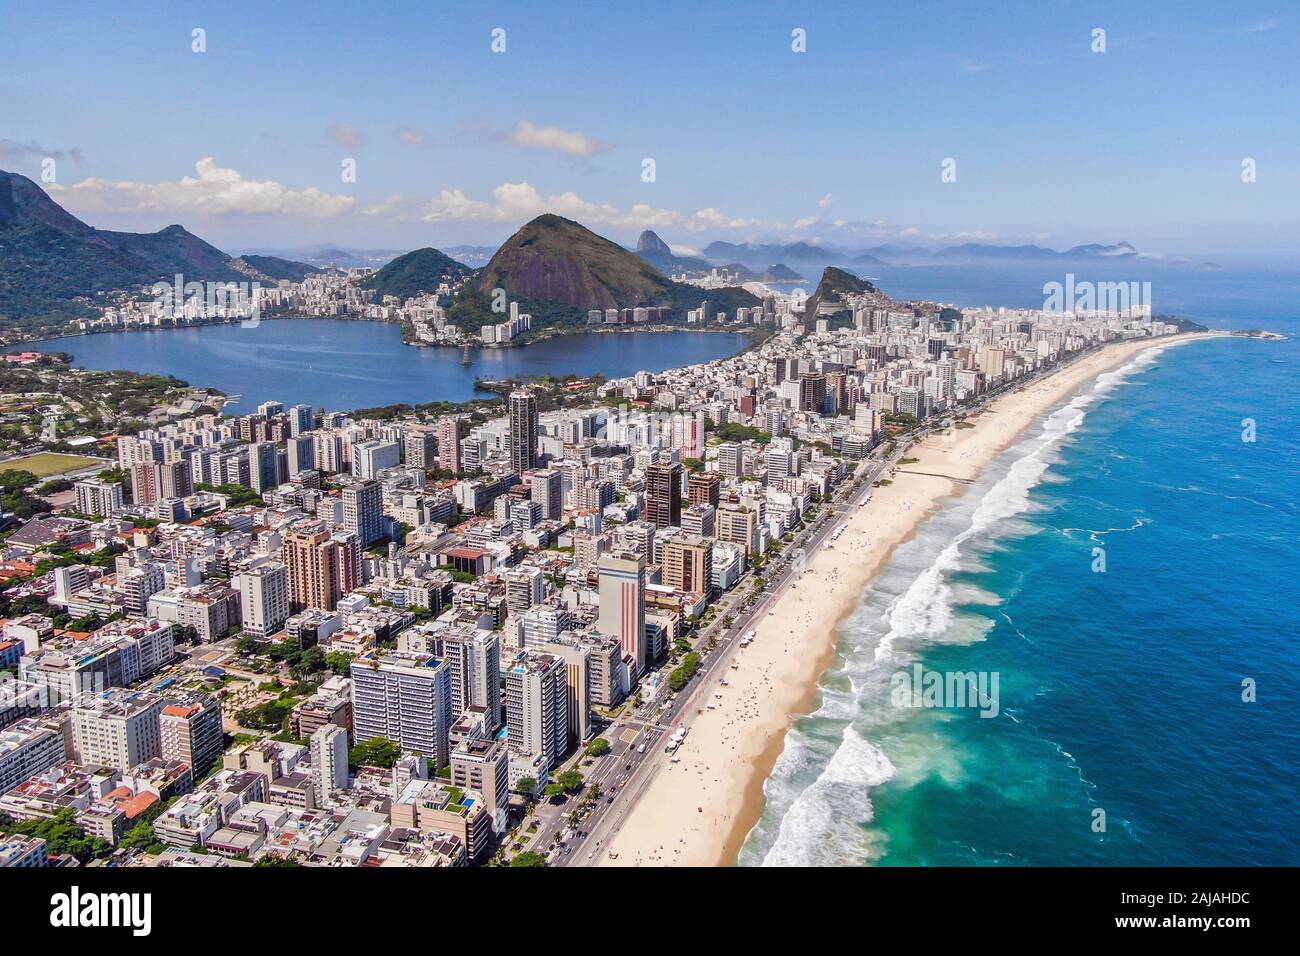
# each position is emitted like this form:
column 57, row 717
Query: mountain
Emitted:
column 808, row 255
column 558, row 269
column 781, row 273
column 473, row 256
column 415, row 273
column 48, row 257
column 324, row 256
column 986, row 252
column 660, row 255
column 272, row 268
column 799, row 253
column 553, row 259
column 649, row 242
column 834, row 283
column 668, row 263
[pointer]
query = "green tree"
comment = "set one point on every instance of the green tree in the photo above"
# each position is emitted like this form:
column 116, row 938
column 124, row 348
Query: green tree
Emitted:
column 570, row 780
column 598, row 747
column 339, row 662
column 553, row 791
column 375, row 752
column 311, row 661
column 528, row 858
column 142, row 837
column 526, row 785
column 268, row 716
column 62, row 835
column 682, row 675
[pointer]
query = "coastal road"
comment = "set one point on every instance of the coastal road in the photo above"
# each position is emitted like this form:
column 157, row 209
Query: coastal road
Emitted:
column 632, row 772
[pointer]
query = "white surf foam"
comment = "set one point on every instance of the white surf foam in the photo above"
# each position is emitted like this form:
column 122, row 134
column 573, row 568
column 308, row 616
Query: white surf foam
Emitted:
column 822, row 821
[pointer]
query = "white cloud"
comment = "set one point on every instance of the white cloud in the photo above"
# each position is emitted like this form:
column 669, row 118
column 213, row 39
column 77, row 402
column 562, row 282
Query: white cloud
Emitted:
column 970, row 235
column 390, row 205
column 514, row 202
column 710, row 218
column 824, row 201
column 678, row 249
column 569, row 142
column 213, row 192
column 345, row 134
column 410, row 137
column 805, row 222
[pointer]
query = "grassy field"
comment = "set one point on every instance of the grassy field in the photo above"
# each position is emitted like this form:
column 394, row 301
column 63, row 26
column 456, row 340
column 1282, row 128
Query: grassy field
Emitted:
column 46, row 464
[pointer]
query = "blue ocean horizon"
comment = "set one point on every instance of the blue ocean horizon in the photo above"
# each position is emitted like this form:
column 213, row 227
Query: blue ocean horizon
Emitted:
column 1124, row 734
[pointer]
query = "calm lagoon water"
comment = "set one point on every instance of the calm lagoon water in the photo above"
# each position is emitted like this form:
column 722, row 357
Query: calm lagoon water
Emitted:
column 343, row 365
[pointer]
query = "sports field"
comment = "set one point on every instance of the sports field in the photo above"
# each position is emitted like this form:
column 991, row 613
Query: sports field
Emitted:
column 48, row 463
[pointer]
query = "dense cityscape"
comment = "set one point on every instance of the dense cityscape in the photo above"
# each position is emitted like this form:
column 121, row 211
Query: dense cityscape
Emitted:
column 311, row 637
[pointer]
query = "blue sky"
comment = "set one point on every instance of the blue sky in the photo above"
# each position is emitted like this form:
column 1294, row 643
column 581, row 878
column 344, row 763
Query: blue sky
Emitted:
column 842, row 144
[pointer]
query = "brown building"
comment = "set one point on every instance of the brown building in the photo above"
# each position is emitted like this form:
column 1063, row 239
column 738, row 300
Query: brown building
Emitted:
column 322, row 567
column 738, row 524
column 663, row 494
column 483, row 765
column 704, row 488
column 688, row 565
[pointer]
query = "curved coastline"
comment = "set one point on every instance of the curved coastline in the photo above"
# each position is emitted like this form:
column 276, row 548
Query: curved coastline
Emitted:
column 700, row 811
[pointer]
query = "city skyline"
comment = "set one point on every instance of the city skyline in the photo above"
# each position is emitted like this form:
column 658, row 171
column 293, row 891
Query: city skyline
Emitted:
column 845, row 142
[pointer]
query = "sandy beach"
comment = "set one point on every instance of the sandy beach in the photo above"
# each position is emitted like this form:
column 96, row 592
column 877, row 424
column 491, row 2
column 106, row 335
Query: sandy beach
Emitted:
column 698, row 811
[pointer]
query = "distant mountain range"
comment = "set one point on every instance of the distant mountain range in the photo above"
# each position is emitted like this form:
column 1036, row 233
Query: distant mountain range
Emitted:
column 48, row 257
column 323, row 257
column 556, row 269
column 795, row 253
column 659, row 254
column 806, row 254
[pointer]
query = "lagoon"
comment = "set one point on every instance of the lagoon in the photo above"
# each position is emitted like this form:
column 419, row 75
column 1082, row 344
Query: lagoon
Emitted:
column 341, row 365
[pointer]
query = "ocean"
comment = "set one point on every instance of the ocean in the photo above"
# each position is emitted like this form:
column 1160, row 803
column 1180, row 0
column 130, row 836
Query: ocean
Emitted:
column 1145, row 695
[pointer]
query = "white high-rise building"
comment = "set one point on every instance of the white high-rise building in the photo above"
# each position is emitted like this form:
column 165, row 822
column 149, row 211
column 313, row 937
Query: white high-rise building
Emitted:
column 98, row 497
column 329, row 761
column 406, row 698
column 263, row 598
column 525, row 587
column 537, row 707
column 371, row 457
column 117, row 728
column 363, row 511
column 474, row 658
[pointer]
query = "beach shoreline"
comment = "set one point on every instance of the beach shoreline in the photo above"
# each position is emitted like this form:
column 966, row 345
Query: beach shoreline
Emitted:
column 700, row 810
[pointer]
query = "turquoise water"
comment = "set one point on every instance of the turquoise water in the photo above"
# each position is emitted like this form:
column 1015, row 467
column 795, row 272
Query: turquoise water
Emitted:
column 342, row 365
column 1119, row 690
